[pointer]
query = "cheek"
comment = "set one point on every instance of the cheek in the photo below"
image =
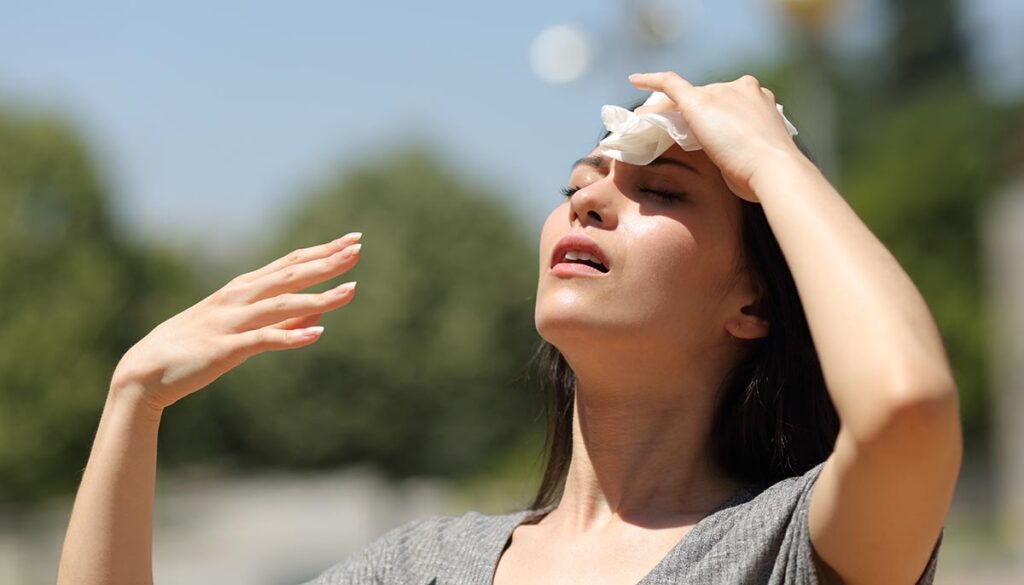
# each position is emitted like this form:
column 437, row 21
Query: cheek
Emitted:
column 662, row 255
column 672, row 270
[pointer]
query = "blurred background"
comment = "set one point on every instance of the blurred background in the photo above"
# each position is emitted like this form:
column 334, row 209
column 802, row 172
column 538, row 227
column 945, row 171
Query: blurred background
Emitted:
column 148, row 154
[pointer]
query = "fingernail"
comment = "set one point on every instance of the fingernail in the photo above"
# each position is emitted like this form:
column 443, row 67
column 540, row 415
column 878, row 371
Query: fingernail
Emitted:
column 352, row 237
column 632, row 75
column 353, row 250
column 343, row 289
column 309, row 331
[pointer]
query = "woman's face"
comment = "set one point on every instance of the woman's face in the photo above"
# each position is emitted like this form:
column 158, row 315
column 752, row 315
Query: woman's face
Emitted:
column 669, row 235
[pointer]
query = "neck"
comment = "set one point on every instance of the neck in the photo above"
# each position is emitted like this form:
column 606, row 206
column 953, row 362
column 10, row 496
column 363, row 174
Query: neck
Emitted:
column 641, row 442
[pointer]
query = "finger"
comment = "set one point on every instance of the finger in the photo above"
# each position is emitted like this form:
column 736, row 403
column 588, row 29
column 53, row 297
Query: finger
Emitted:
column 249, row 343
column 671, row 84
column 666, row 105
column 299, row 276
column 299, row 322
column 289, row 306
column 303, row 255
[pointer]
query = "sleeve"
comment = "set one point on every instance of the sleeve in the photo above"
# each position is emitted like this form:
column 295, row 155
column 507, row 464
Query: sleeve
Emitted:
column 369, row 566
column 815, row 570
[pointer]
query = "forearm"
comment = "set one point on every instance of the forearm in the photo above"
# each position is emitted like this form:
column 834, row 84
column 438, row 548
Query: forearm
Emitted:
column 880, row 350
column 109, row 538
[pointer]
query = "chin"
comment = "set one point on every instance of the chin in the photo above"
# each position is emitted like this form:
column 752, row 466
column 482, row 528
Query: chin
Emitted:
column 562, row 322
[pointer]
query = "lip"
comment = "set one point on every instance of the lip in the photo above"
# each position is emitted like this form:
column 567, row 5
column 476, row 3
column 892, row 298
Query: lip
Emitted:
column 579, row 243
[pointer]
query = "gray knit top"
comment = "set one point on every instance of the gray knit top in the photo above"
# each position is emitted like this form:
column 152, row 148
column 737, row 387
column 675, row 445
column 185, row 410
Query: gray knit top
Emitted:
column 757, row 536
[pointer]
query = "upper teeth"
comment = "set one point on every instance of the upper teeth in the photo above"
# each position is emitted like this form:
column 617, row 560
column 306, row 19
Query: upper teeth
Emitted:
column 572, row 255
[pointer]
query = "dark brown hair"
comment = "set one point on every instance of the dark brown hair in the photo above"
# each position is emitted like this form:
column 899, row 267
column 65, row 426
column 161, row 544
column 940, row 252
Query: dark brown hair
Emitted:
column 774, row 417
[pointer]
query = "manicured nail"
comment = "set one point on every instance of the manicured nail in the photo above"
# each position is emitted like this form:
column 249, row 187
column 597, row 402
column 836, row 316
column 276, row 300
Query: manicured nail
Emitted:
column 352, row 237
column 353, row 250
column 343, row 289
column 632, row 75
column 309, row 332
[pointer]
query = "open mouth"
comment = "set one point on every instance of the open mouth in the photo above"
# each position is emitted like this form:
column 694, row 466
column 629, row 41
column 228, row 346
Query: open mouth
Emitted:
column 574, row 257
column 579, row 254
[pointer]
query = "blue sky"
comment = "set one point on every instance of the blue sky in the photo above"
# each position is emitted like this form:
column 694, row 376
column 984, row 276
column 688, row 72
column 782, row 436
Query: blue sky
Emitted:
column 208, row 117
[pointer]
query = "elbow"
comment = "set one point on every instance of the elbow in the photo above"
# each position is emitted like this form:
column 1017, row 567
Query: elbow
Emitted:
column 928, row 400
column 922, row 419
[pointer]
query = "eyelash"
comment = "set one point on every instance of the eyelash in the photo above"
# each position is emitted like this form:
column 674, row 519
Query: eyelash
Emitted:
column 662, row 195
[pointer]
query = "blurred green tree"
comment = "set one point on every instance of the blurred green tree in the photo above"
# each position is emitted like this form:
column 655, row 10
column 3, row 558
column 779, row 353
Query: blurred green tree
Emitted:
column 919, row 180
column 926, row 44
column 425, row 371
column 921, row 150
column 72, row 297
column 925, row 152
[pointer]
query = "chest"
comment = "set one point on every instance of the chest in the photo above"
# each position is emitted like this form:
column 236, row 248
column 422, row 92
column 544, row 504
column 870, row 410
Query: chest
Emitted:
column 533, row 559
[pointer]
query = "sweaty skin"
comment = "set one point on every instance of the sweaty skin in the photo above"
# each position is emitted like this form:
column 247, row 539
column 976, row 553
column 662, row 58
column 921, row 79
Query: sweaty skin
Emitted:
column 649, row 342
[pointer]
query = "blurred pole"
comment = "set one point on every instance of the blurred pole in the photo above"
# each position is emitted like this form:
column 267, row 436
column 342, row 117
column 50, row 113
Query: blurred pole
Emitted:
column 649, row 28
column 1003, row 233
column 814, row 110
column 565, row 53
column 654, row 25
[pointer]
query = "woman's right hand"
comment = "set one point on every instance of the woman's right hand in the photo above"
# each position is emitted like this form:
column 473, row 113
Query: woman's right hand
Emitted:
column 255, row 312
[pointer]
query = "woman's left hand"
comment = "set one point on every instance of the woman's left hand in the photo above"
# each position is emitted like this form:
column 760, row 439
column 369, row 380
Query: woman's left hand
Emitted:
column 736, row 123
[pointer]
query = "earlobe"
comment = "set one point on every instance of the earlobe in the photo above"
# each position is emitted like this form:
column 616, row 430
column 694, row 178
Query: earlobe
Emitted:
column 748, row 324
column 747, row 327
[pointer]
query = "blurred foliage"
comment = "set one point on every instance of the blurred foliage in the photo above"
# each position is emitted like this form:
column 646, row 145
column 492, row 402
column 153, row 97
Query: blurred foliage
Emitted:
column 919, row 181
column 920, row 171
column 921, row 151
column 925, row 44
column 424, row 372
column 72, row 296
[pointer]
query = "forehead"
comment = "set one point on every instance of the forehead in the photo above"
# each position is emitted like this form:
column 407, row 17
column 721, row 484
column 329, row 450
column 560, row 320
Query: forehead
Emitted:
column 675, row 157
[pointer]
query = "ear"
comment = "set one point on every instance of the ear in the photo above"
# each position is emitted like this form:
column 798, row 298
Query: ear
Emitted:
column 749, row 322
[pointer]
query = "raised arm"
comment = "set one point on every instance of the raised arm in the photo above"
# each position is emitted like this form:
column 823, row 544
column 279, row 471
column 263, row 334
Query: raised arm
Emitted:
column 109, row 537
column 882, row 496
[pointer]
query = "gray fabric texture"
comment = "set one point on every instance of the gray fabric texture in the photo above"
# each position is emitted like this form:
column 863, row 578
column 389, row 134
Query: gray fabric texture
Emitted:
column 758, row 536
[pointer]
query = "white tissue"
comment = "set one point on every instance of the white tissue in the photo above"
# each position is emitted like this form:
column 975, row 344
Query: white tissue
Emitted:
column 638, row 139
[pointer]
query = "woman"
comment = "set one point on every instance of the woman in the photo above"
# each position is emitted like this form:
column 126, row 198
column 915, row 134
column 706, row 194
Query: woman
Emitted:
column 651, row 329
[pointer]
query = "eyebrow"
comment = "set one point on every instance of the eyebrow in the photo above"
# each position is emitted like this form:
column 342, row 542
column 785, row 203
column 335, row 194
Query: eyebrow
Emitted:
column 601, row 163
column 598, row 162
column 674, row 162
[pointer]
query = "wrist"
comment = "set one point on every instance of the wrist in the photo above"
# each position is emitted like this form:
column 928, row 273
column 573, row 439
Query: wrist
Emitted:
column 782, row 167
column 131, row 396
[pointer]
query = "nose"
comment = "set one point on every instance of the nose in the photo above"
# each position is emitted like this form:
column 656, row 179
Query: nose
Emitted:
column 595, row 204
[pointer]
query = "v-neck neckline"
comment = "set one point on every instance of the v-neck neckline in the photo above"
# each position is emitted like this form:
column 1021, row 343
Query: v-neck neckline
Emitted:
column 519, row 518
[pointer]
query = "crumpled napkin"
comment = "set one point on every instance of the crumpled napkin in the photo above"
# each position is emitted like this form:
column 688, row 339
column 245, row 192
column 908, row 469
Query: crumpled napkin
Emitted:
column 638, row 139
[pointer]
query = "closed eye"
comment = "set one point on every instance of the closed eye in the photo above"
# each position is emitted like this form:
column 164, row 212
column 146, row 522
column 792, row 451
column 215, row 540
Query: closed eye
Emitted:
column 663, row 195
